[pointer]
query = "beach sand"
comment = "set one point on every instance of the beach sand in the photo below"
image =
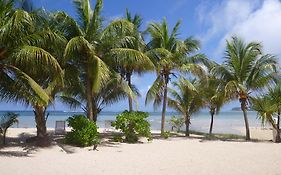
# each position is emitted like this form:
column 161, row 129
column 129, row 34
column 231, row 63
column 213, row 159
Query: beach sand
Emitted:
column 177, row 155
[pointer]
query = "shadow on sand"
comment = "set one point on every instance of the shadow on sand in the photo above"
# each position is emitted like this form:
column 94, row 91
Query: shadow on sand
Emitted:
column 107, row 140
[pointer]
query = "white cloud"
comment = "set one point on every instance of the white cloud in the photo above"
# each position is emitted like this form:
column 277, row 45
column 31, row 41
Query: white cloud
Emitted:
column 178, row 4
column 253, row 20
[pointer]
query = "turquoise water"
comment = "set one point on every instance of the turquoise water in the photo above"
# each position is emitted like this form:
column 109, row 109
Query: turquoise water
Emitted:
column 225, row 122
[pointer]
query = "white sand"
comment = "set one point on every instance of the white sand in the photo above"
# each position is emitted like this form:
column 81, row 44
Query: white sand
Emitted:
column 259, row 133
column 172, row 156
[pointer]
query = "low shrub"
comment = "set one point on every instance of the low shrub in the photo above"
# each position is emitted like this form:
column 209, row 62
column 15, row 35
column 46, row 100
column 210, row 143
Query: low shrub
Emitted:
column 133, row 125
column 83, row 132
column 176, row 123
column 166, row 134
column 117, row 138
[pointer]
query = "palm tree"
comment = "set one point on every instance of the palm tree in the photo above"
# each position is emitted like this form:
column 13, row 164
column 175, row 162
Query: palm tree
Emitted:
column 267, row 108
column 275, row 95
column 213, row 94
column 245, row 70
column 6, row 121
column 129, row 54
column 169, row 54
column 186, row 100
column 29, row 68
column 11, row 33
column 88, row 46
column 111, row 92
column 81, row 52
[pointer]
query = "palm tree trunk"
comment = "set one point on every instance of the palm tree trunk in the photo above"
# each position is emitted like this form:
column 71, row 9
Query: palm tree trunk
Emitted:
column 277, row 138
column 129, row 79
column 278, row 119
column 164, row 104
column 90, row 114
column 244, row 109
column 4, row 136
column 39, row 112
column 95, row 116
column 212, row 121
column 187, row 123
column 42, row 138
column 277, row 128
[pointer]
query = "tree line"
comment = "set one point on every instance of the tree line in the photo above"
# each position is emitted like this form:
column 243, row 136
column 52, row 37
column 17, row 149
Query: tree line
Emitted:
column 89, row 64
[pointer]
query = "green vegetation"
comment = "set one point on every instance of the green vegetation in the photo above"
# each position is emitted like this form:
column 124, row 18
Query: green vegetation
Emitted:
column 83, row 131
column 269, row 106
column 133, row 125
column 245, row 70
column 89, row 64
column 176, row 123
column 166, row 134
column 217, row 136
column 6, row 121
column 169, row 54
column 213, row 93
column 186, row 100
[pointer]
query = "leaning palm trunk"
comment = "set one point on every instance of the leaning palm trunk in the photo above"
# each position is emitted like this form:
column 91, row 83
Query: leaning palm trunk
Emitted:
column 277, row 138
column 244, row 109
column 276, row 131
column 212, row 121
column 164, row 105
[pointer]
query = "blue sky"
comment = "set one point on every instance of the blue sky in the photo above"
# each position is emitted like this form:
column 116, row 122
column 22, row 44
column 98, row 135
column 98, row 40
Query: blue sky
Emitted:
column 210, row 21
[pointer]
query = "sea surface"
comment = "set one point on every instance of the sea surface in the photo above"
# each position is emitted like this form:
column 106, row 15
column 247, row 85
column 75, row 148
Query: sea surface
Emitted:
column 224, row 122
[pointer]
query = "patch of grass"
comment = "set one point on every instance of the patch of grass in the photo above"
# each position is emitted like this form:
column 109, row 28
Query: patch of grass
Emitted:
column 218, row 135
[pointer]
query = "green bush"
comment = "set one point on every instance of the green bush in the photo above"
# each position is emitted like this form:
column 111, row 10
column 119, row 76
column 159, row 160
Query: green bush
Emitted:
column 83, row 132
column 176, row 123
column 133, row 125
column 117, row 138
column 166, row 134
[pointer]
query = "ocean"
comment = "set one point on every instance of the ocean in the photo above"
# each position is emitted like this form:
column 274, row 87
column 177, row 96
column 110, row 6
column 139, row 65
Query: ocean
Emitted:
column 224, row 122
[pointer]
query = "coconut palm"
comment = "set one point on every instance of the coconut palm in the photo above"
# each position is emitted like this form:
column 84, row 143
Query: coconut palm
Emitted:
column 169, row 54
column 266, row 109
column 129, row 54
column 10, row 36
column 186, row 100
column 275, row 95
column 88, row 46
column 29, row 68
column 6, row 121
column 213, row 94
column 245, row 69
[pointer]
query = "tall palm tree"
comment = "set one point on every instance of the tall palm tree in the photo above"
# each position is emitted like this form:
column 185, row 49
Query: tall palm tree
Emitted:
column 129, row 53
column 89, row 46
column 187, row 100
column 245, row 69
column 81, row 54
column 267, row 108
column 29, row 68
column 169, row 54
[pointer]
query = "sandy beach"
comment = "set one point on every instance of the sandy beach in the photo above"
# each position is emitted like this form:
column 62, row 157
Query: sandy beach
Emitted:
column 177, row 155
